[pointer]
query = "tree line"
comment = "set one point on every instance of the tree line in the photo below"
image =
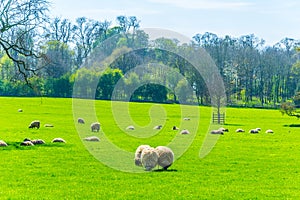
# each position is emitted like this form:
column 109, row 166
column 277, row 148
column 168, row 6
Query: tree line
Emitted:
column 42, row 56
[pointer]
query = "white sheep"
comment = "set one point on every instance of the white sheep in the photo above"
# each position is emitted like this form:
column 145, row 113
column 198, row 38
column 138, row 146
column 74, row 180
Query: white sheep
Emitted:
column 138, row 153
column 58, row 140
column 3, row 144
column 175, row 128
column 20, row 110
column 27, row 143
column 184, row 132
column 149, row 158
column 269, row 131
column 95, row 126
column 80, row 121
column 165, row 156
column 254, row 131
column 35, row 124
column 186, row 119
column 217, row 132
column 239, row 130
column 224, row 129
column 37, row 141
column 157, row 127
column 92, row 139
column 130, row 127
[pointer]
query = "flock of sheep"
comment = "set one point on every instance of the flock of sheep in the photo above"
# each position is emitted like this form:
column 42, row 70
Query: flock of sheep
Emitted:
column 221, row 131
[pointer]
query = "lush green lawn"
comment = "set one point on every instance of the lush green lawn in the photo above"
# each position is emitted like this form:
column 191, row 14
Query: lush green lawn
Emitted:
column 240, row 166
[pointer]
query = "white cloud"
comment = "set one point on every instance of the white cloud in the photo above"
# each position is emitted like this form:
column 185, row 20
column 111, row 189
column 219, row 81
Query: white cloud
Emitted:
column 204, row 4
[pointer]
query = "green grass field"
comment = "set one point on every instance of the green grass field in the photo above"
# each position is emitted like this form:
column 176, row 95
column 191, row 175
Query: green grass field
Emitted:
column 240, row 166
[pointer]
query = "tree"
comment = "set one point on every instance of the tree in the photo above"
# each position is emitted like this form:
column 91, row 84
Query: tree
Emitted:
column 18, row 20
column 289, row 109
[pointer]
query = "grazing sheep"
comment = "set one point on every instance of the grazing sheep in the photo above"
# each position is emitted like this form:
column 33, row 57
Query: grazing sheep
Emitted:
column 149, row 158
column 20, row 110
column 165, row 156
column 157, row 127
column 27, row 143
column 3, row 144
column 239, row 130
column 37, row 141
column 59, row 140
column 138, row 153
column 217, row 132
column 95, row 126
column 175, row 128
column 48, row 125
column 254, row 131
column 130, row 127
column 224, row 129
column 184, row 132
column 80, row 121
column 186, row 119
column 92, row 139
column 269, row 131
column 35, row 124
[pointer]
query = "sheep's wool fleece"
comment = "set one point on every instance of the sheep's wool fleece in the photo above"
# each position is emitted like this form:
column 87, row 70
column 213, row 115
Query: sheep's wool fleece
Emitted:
column 138, row 154
column 165, row 156
column 149, row 158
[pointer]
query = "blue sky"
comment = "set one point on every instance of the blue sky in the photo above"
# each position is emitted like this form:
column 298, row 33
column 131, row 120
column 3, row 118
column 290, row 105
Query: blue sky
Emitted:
column 267, row 19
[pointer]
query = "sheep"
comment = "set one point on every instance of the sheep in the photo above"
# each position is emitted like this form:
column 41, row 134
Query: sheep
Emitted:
column 3, row 144
column 92, row 139
column 269, row 131
column 157, row 127
column 186, row 119
column 37, row 141
column 175, row 128
column 239, row 130
column 254, row 131
column 34, row 124
column 130, row 127
column 95, row 126
column 217, row 132
column 27, row 143
column 165, row 156
column 20, row 110
column 149, row 158
column 184, row 132
column 80, row 121
column 138, row 153
column 58, row 140
column 224, row 129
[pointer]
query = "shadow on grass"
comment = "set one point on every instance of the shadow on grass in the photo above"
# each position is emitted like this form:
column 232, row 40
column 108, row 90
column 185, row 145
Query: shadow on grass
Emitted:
column 162, row 170
column 292, row 125
column 18, row 146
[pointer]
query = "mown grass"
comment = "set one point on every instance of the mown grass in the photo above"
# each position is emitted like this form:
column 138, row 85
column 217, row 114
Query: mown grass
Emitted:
column 240, row 166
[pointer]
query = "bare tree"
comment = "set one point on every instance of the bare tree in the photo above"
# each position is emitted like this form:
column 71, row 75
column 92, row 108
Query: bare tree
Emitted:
column 20, row 21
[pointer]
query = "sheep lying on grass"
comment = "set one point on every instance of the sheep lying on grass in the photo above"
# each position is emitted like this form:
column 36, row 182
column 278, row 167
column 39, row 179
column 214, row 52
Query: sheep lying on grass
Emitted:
column 130, row 128
column 3, row 144
column 254, row 131
column 95, row 126
column 149, row 158
column 269, row 131
column 157, row 127
column 184, row 132
column 92, row 139
column 80, row 121
column 58, row 140
column 37, row 141
column 138, row 153
column 217, row 132
column 35, row 124
column 27, row 143
column 186, row 119
column 165, row 156
column 239, row 130
column 20, row 110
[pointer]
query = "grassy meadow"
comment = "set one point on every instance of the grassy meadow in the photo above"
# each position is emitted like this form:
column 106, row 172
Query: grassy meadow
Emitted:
column 240, row 166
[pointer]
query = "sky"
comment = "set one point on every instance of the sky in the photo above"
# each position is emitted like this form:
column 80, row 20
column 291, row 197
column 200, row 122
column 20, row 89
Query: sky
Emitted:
column 271, row 20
